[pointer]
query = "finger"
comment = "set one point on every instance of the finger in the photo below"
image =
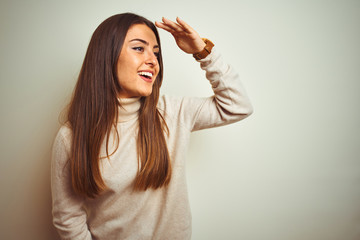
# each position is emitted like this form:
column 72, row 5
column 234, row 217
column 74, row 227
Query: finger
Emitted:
column 165, row 27
column 173, row 25
column 187, row 28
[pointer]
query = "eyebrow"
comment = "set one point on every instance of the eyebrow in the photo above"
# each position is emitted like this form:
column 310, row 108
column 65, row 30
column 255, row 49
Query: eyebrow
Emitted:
column 143, row 41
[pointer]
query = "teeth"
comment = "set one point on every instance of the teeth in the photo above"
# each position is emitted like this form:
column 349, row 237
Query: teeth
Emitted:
column 148, row 74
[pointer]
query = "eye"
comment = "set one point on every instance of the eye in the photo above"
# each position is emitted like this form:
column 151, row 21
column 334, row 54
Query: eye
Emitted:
column 139, row 49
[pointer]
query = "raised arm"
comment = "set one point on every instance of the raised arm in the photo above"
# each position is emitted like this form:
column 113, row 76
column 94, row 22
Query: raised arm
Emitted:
column 230, row 102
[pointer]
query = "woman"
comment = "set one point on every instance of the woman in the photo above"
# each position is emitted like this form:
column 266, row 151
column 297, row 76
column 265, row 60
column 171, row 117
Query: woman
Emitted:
column 118, row 163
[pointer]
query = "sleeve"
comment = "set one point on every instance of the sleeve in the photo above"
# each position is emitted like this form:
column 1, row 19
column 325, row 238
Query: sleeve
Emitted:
column 69, row 216
column 229, row 103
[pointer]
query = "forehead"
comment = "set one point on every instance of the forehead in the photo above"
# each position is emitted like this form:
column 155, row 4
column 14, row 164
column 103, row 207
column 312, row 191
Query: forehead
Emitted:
column 141, row 31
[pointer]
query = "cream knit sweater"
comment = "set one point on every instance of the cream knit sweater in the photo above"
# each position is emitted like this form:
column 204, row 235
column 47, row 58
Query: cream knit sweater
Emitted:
column 162, row 214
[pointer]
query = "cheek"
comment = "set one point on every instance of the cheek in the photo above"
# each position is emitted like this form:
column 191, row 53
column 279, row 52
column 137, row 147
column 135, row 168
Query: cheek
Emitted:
column 126, row 69
column 128, row 59
column 157, row 70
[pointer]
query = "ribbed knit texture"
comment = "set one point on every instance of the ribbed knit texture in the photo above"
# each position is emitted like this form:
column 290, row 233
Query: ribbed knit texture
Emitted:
column 162, row 214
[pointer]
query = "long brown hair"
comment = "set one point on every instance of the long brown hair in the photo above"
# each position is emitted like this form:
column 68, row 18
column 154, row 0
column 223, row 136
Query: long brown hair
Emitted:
column 93, row 113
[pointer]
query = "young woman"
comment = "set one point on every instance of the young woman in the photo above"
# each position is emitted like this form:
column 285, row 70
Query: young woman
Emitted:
column 118, row 164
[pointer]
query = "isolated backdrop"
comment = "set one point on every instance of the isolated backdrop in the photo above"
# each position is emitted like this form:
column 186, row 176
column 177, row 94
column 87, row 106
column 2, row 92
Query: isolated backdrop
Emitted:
column 289, row 172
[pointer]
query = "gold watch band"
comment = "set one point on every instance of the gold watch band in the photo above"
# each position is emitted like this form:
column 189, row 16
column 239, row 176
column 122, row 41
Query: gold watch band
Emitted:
column 206, row 51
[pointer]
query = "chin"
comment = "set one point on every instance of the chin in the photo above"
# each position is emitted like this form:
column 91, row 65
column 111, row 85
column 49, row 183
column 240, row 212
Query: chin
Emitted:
column 145, row 94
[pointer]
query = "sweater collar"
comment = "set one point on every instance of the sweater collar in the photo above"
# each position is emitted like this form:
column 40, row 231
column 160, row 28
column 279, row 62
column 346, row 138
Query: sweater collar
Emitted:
column 129, row 108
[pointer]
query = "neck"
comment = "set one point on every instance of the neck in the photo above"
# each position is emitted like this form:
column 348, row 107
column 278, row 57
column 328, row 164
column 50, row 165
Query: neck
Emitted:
column 129, row 108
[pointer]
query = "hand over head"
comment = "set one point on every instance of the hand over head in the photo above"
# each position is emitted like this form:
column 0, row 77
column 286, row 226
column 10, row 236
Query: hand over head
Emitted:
column 185, row 36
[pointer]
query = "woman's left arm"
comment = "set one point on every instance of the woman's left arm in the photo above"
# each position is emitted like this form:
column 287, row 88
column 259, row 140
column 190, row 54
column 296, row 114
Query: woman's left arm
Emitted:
column 230, row 102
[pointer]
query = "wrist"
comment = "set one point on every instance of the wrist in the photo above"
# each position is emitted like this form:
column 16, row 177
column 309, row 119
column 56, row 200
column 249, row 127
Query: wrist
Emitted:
column 206, row 50
column 200, row 46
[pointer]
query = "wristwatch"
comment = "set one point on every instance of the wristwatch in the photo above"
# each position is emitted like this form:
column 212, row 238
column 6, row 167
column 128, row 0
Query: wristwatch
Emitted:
column 206, row 51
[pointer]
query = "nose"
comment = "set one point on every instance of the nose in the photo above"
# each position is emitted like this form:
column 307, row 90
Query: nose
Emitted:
column 151, row 59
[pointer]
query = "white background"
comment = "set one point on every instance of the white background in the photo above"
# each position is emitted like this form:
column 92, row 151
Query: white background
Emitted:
column 289, row 172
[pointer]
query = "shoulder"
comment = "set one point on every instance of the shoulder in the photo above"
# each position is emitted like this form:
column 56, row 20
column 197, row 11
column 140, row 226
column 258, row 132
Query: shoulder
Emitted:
column 169, row 104
column 65, row 131
column 175, row 104
column 61, row 150
column 182, row 110
column 170, row 107
column 63, row 137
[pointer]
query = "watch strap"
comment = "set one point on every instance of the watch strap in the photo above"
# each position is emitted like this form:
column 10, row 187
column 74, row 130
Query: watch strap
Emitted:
column 206, row 51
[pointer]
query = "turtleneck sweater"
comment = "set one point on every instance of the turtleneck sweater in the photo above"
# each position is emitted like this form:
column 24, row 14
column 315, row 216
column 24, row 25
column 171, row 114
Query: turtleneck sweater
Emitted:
column 161, row 214
column 129, row 109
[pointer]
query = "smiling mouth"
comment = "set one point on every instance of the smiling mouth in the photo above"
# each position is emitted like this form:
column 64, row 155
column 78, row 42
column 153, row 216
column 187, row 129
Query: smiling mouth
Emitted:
column 147, row 76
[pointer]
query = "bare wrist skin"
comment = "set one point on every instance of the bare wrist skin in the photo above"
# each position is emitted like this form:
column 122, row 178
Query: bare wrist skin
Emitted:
column 201, row 45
